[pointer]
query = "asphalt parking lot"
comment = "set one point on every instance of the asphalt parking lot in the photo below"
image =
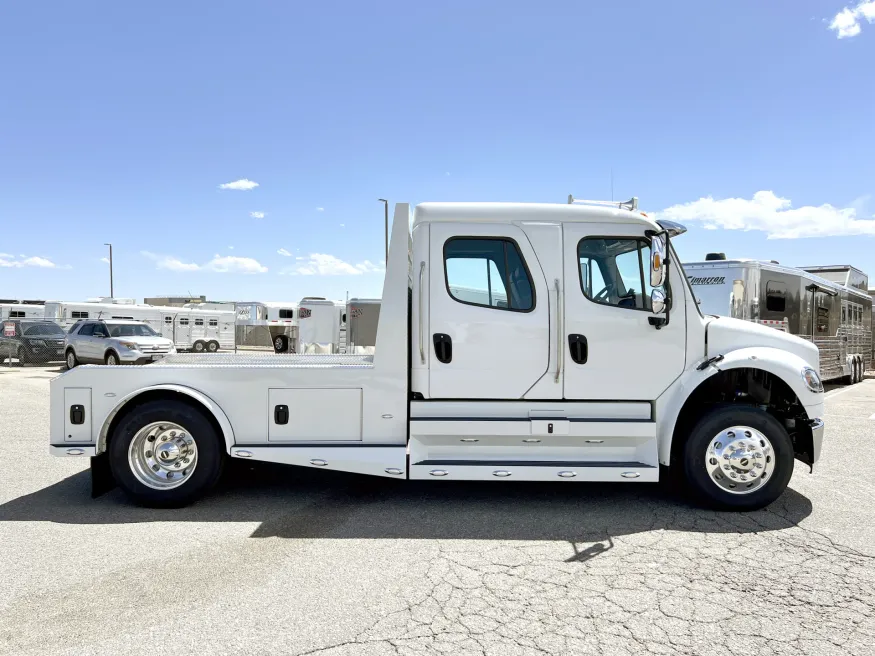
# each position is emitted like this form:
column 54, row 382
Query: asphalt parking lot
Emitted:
column 289, row 561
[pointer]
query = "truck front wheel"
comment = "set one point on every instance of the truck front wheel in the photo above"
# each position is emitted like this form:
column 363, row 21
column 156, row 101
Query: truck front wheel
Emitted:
column 165, row 454
column 738, row 458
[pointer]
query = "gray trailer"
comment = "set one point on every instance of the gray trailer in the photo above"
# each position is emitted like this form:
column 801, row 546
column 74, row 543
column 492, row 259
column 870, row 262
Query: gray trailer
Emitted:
column 829, row 305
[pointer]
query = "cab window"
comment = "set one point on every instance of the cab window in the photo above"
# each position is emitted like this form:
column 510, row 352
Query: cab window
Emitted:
column 613, row 271
column 489, row 272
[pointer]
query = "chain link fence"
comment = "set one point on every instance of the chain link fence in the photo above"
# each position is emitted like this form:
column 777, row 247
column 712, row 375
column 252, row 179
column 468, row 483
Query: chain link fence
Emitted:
column 47, row 334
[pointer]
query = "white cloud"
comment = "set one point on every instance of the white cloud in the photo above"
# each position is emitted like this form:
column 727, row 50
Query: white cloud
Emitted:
column 105, row 260
column 321, row 264
column 342, row 225
column 320, row 209
column 169, row 262
column 230, row 248
column 219, row 264
column 239, row 185
column 257, row 215
column 231, row 264
column 846, row 23
column 284, row 252
column 771, row 214
column 8, row 261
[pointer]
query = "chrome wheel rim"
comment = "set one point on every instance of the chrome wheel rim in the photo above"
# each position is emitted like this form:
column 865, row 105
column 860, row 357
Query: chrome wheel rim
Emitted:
column 740, row 460
column 213, row 347
column 71, row 360
column 111, row 360
column 162, row 455
column 278, row 344
column 199, row 347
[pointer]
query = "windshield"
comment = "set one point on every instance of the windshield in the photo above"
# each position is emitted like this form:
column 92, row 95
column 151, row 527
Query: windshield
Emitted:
column 131, row 330
column 43, row 329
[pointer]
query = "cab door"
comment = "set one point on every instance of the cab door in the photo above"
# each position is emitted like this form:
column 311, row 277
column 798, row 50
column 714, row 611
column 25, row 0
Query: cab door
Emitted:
column 611, row 350
column 488, row 330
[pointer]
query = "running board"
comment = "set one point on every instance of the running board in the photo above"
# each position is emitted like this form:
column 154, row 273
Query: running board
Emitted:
column 389, row 461
column 534, row 470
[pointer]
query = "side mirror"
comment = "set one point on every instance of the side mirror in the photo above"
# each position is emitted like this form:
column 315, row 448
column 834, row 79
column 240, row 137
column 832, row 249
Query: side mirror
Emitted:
column 657, row 261
column 657, row 301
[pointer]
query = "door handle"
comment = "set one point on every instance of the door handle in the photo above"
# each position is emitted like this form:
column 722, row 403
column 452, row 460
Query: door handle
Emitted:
column 281, row 414
column 578, row 348
column 443, row 347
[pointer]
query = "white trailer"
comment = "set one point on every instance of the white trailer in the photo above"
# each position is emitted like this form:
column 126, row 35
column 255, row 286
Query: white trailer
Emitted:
column 191, row 329
column 362, row 321
column 13, row 309
column 319, row 326
column 606, row 375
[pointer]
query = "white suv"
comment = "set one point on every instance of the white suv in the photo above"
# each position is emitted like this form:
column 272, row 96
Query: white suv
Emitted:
column 114, row 342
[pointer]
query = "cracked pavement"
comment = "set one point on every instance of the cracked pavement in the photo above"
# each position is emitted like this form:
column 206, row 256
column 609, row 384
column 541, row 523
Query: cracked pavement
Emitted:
column 288, row 561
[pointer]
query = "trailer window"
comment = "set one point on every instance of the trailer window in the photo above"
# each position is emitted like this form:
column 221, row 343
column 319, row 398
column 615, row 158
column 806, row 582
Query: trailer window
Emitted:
column 214, row 323
column 183, row 321
column 75, row 314
column 489, row 272
column 776, row 296
column 612, row 272
column 168, row 319
column 287, row 314
column 16, row 314
column 822, row 320
column 198, row 322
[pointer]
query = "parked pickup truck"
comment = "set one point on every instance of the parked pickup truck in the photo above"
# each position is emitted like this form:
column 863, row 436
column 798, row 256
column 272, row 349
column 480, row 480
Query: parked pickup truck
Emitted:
column 583, row 357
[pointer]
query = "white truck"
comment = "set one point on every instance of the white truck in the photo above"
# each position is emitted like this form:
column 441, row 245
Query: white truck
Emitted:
column 595, row 365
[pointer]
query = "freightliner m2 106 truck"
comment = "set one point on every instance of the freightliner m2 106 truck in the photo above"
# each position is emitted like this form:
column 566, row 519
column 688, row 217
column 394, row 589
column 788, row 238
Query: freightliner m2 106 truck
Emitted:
column 583, row 357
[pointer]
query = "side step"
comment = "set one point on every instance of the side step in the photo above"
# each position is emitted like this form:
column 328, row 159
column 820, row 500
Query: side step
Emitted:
column 534, row 470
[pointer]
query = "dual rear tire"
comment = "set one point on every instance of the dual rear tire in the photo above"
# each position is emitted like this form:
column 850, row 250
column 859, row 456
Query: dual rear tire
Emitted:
column 165, row 454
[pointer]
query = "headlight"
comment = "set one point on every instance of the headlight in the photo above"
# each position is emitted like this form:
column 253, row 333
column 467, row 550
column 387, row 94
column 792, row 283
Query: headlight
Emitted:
column 812, row 380
column 129, row 345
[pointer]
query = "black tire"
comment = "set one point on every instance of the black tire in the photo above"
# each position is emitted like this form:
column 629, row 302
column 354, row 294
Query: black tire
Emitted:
column 199, row 347
column 707, row 492
column 111, row 356
column 213, row 346
column 67, row 357
column 281, row 344
column 210, row 454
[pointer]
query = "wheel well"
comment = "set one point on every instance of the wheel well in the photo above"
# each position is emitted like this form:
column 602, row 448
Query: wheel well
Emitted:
column 158, row 395
column 746, row 386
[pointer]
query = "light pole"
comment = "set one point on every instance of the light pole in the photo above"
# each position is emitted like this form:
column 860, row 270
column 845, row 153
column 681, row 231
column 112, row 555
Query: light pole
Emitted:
column 111, row 291
column 386, row 221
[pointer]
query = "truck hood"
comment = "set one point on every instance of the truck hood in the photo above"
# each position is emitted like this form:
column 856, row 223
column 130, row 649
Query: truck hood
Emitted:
column 725, row 335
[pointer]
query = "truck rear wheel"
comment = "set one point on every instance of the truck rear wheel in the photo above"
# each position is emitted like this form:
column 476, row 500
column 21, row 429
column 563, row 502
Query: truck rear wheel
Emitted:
column 165, row 454
column 738, row 458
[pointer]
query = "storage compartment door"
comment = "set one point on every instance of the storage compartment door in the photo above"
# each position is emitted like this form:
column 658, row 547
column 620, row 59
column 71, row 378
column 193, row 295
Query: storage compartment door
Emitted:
column 314, row 415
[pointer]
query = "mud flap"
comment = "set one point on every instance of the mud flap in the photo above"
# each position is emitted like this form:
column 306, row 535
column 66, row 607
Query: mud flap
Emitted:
column 102, row 480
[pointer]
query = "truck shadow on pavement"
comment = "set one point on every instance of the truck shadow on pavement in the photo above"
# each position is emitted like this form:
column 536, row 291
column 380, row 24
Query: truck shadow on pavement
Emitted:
column 292, row 502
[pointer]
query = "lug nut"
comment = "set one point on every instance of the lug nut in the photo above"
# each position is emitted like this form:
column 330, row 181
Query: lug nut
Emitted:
column 169, row 475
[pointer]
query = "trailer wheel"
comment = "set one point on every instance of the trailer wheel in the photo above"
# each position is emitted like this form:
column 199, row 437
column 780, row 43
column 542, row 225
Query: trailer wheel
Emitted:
column 281, row 344
column 738, row 458
column 165, row 454
column 199, row 347
column 213, row 346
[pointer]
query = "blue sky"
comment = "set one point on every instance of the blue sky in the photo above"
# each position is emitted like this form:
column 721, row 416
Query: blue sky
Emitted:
column 121, row 121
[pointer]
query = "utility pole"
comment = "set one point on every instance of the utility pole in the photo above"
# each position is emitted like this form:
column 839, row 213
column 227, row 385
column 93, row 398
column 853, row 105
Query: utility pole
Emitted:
column 111, row 291
column 386, row 221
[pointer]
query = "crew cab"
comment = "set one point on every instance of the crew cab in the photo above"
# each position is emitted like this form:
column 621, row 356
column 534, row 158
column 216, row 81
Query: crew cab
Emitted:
column 580, row 355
